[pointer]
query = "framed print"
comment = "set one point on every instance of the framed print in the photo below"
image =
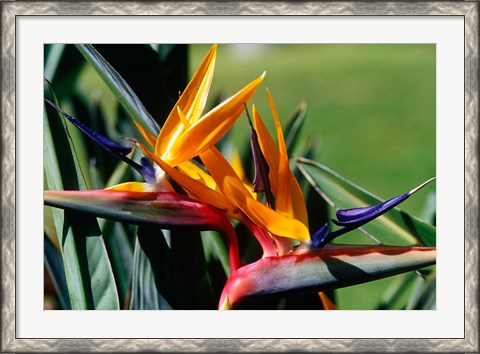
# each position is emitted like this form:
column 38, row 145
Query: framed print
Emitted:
column 198, row 157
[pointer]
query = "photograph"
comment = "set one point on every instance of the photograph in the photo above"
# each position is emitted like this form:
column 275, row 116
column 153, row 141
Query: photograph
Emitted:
column 239, row 176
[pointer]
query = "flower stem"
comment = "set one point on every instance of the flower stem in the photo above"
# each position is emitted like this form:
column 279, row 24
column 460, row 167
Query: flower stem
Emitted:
column 263, row 238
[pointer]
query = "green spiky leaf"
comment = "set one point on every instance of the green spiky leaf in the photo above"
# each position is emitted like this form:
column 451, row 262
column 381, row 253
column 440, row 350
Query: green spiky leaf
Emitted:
column 293, row 127
column 85, row 258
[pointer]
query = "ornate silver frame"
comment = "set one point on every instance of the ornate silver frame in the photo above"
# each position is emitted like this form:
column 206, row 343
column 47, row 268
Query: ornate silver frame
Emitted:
column 10, row 9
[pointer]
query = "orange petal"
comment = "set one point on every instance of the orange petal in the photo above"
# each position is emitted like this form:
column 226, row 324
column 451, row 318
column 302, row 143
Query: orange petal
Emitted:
column 210, row 128
column 196, row 188
column 234, row 189
column 284, row 197
column 290, row 198
column 219, row 168
column 148, row 137
column 298, row 200
column 276, row 223
column 192, row 102
column 269, row 149
column 237, row 165
column 193, row 108
column 327, row 303
column 195, row 172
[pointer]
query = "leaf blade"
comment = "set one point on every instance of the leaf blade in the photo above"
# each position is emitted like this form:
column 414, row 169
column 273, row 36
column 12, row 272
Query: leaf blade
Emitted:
column 54, row 264
column 294, row 126
column 119, row 88
column 145, row 293
column 85, row 258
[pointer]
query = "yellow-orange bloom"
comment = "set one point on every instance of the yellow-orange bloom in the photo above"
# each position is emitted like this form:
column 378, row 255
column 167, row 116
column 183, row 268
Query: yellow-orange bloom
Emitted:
column 187, row 134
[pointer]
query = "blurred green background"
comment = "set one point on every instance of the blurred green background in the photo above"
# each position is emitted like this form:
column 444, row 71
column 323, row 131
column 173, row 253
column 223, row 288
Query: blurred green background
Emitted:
column 371, row 113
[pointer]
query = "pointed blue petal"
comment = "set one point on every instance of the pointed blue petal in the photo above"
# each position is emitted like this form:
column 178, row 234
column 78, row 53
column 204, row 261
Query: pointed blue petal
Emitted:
column 100, row 139
column 359, row 216
column 147, row 171
column 364, row 215
column 113, row 148
column 320, row 237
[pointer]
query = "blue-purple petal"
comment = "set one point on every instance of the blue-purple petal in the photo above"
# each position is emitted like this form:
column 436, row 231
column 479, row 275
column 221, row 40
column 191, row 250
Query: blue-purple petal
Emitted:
column 320, row 237
column 366, row 214
column 98, row 138
column 119, row 151
column 147, row 170
column 359, row 216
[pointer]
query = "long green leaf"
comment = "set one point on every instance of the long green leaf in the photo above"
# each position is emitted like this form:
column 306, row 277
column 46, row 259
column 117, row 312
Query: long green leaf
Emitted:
column 425, row 296
column 119, row 88
column 145, row 293
column 54, row 265
column 293, row 127
column 87, row 268
column 215, row 249
column 52, row 60
column 397, row 293
column 62, row 68
column 429, row 210
column 395, row 227
column 120, row 254
column 332, row 267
